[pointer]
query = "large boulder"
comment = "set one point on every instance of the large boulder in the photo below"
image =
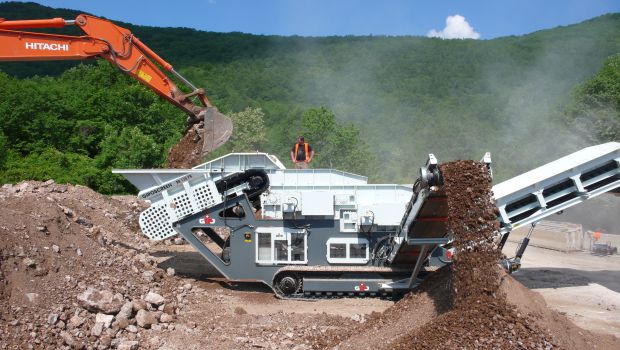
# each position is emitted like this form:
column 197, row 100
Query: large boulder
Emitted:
column 103, row 301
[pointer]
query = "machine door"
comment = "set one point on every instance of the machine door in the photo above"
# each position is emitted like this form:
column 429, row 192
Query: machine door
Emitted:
column 280, row 246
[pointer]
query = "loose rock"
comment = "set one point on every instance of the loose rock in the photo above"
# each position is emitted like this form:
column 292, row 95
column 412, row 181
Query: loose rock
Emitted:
column 104, row 301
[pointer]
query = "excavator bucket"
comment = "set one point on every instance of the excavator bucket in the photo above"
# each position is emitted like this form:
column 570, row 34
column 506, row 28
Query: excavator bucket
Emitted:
column 217, row 130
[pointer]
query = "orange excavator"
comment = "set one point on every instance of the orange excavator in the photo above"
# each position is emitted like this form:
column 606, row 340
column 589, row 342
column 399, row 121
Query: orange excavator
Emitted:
column 121, row 48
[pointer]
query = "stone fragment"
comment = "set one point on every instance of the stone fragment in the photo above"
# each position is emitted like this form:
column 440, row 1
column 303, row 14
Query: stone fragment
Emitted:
column 52, row 319
column 126, row 311
column 128, row 345
column 55, row 248
column 145, row 319
column 105, row 319
column 97, row 329
column 132, row 329
column 154, row 298
column 170, row 271
column 29, row 262
column 32, row 297
column 138, row 304
column 76, row 321
column 166, row 318
column 104, row 301
column 67, row 338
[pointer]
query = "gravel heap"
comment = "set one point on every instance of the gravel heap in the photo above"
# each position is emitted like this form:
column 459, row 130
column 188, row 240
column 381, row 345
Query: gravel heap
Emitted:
column 472, row 304
column 480, row 317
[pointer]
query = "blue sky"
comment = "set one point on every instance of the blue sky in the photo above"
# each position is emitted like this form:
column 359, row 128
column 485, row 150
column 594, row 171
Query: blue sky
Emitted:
column 484, row 19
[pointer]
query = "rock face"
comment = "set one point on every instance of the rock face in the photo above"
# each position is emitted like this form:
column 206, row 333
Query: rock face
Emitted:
column 103, row 301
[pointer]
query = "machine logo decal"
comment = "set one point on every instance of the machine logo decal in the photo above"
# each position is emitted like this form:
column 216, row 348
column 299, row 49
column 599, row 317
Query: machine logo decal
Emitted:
column 247, row 237
column 362, row 287
column 49, row 47
column 156, row 191
column 206, row 220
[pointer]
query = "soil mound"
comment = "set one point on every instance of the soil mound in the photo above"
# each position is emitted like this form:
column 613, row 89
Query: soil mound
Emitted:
column 472, row 303
column 73, row 271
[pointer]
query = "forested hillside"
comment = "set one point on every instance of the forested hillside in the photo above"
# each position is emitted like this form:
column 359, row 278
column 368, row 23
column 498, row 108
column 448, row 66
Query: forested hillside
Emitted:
column 524, row 98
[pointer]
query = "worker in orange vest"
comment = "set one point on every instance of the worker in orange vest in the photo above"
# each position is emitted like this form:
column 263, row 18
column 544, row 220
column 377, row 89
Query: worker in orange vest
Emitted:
column 301, row 154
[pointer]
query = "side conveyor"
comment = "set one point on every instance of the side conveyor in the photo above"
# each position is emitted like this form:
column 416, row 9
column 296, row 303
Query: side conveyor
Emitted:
column 555, row 186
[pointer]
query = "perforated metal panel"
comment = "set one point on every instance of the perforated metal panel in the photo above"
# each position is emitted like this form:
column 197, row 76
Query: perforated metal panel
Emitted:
column 182, row 205
column 156, row 221
column 204, row 195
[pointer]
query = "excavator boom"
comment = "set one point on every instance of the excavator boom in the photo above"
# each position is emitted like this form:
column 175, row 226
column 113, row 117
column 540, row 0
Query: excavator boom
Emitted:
column 121, row 48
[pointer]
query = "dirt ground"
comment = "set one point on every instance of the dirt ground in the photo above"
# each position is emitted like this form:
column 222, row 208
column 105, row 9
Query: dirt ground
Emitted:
column 59, row 242
column 584, row 287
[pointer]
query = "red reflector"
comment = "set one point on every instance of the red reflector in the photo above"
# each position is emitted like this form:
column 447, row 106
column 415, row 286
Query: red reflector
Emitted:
column 449, row 255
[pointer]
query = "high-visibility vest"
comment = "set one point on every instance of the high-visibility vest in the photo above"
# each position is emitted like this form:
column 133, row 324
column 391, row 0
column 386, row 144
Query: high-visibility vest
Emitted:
column 305, row 148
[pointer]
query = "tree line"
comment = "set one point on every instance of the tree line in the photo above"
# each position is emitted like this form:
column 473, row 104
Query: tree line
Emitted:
column 373, row 105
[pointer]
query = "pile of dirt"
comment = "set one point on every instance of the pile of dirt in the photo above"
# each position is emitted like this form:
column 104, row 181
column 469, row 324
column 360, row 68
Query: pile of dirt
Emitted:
column 414, row 310
column 74, row 273
column 187, row 153
column 481, row 316
column 472, row 303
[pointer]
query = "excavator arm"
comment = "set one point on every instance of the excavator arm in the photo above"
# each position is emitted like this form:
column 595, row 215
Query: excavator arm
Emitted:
column 122, row 49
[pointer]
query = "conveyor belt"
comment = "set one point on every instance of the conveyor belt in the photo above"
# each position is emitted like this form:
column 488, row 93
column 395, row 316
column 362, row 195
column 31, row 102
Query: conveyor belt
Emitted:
column 555, row 186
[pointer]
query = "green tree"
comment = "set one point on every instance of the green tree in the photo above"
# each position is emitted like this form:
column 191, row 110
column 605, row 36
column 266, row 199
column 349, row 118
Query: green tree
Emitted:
column 336, row 146
column 4, row 149
column 595, row 106
column 129, row 149
column 249, row 133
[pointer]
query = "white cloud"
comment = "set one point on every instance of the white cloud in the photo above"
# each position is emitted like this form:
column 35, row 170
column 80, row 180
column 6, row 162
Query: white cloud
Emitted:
column 457, row 27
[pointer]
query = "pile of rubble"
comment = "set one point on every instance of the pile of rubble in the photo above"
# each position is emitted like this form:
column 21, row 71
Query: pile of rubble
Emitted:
column 74, row 273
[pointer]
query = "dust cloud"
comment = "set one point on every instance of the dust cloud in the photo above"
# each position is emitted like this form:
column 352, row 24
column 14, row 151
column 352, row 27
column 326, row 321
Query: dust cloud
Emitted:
column 411, row 96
